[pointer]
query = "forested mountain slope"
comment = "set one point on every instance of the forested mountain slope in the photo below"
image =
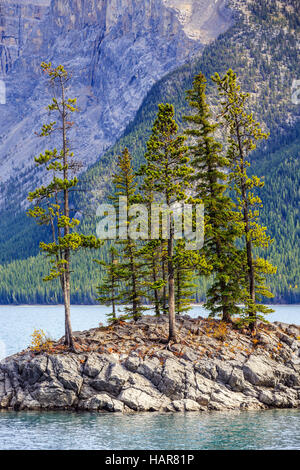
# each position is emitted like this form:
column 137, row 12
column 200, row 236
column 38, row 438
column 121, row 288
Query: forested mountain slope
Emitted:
column 116, row 49
column 263, row 48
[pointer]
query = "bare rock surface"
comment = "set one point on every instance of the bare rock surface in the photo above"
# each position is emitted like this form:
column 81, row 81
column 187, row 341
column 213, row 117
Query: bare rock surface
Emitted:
column 116, row 50
column 127, row 368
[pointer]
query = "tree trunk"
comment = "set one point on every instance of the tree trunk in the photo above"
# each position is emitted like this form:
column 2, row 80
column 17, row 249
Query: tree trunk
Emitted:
column 226, row 316
column 252, row 315
column 135, row 302
column 164, row 295
column 171, row 284
column 177, row 297
column 67, row 293
column 156, row 297
column 113, row 302
column 251, row 274
column 69, row 341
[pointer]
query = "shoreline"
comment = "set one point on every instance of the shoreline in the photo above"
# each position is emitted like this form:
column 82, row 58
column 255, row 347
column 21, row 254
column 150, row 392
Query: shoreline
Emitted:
column 126, row 368
column 102, row 305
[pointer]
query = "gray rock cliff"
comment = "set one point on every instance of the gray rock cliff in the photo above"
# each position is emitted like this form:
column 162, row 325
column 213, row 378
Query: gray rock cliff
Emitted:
column 117, row 49
column 17, row 20
column 127, row 369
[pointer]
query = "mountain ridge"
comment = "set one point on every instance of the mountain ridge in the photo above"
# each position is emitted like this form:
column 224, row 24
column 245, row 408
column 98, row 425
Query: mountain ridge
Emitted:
column 264, row 54
column 116, row 50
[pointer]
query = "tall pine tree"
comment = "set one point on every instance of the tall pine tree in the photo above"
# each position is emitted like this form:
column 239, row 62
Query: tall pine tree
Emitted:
column 185, row 262
column 131, row 265
column 168, row 166
column 243, row 134
column 222, row 224
column 109, row 290
column 52, row 200
column 152, row 250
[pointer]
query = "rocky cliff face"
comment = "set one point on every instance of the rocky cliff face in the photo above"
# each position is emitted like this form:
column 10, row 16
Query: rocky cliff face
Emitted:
column 17, row 20
column 126, row 368
column 117, row 49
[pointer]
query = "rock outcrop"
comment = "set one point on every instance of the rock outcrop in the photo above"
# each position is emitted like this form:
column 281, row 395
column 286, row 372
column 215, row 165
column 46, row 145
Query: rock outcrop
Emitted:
column 116, row 49
column 125, row 368
column 17, row 20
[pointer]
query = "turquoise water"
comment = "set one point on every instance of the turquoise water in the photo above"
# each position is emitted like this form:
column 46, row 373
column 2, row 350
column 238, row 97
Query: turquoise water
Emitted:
column 272, row 429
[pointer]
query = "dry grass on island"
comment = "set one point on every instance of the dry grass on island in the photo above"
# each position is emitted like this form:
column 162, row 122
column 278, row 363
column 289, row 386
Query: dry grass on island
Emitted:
column 195, row 336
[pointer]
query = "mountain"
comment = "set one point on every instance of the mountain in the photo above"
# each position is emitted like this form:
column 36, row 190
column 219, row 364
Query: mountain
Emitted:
column 17, row 20
column 262, row 47
column 116, row 50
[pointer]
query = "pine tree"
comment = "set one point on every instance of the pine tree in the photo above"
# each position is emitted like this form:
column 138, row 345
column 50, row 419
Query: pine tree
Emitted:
column 167, row 165
column 109, row 290
column 150, row 253
column 164, row 275
column 184, row 265
column 52, row 200
column 151, row 250
column 131, row 266
column 222, row 225
column 154, row 251
column 243, row 134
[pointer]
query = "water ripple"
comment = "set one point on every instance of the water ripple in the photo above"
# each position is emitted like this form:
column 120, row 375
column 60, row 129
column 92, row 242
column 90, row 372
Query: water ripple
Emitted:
column 270, row 429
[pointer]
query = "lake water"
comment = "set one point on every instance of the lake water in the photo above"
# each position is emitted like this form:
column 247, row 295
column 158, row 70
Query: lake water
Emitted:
column 271, row 429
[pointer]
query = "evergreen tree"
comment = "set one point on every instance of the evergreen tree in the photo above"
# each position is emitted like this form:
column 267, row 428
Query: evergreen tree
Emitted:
column 164, row 274
column 243, row 134
column 150, row 254
column 167, row 165
column 131, row 267
column 52, row 200
column 222, row 225
column 108, row 290
column 154, row 251
column 184, row 265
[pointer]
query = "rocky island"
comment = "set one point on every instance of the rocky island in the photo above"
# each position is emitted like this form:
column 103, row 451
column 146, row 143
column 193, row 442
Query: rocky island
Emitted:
column 127, row 368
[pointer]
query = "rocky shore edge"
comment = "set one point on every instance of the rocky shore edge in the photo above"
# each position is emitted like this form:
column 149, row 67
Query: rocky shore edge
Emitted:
column 126, row 368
